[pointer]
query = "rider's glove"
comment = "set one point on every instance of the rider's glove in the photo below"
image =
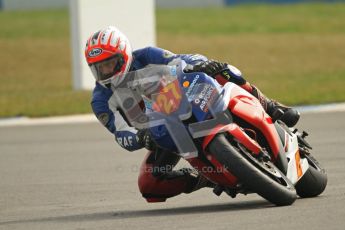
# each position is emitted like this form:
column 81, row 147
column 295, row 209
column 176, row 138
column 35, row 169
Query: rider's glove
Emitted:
column 210, row 67
column 145, row 139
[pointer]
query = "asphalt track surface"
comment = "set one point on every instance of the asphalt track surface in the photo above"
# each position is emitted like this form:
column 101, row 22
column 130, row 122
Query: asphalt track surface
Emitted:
column 74, row 176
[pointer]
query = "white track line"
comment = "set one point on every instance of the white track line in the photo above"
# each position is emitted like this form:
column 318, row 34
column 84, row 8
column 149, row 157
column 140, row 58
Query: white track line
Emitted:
column 25, row 121
column 334, row 107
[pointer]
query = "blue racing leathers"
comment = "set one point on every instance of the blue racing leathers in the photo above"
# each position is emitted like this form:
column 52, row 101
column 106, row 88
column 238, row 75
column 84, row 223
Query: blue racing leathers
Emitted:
column 110, row 114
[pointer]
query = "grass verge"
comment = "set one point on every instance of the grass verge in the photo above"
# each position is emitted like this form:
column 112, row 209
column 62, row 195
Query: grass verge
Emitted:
column 294, row 53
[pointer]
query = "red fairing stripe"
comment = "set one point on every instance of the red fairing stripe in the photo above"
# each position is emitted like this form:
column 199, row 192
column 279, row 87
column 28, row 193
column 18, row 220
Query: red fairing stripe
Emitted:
column 249, row 109
column 235, row 131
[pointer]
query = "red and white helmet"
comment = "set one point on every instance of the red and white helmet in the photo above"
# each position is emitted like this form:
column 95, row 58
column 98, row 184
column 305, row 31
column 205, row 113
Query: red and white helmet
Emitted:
column 109, row 55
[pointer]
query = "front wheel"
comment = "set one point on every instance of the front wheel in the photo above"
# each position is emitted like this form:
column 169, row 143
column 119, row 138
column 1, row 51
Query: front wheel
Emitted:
column 261, row 177
column 314, row 180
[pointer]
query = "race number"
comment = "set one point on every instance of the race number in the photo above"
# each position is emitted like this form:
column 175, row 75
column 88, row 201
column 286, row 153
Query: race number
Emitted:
column 168, row 99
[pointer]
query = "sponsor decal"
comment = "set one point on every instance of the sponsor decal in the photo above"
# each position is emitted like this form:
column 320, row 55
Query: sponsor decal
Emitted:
column 125, row 141
column 186, row 84
column 202, row 98
column 197, row 101
column 168, row 54
column 191, row 87
column 204, row 90
column 206, row 94
column 173, row 71
column 95, row 52
column 103, row 118
column 226, row 75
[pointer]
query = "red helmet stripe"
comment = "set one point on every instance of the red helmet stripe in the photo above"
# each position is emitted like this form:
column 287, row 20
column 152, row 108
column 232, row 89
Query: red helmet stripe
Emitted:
column 99, row 38
column 89, row 43
column 117, row 43
column 109, row 40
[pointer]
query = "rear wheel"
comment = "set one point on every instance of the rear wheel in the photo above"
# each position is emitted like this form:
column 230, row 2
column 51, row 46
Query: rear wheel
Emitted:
column 314, row 181
column 259, row 176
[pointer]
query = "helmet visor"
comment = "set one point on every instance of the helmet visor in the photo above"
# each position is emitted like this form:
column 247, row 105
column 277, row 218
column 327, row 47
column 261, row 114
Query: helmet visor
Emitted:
column 107, row 68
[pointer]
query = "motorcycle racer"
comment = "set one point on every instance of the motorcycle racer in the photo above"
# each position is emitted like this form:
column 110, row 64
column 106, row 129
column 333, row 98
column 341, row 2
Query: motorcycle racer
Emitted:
column 109, row 55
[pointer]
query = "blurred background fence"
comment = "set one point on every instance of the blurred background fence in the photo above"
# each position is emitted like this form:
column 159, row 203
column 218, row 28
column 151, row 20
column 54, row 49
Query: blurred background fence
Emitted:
column 294, row 52
column 41, row 4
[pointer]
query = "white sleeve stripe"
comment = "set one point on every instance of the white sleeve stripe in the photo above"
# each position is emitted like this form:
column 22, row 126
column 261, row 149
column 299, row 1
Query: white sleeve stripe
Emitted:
column 121, row 124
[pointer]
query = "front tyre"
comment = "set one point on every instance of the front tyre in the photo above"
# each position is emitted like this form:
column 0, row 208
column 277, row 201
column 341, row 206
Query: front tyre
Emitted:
column 314, row 180
column 260, row 177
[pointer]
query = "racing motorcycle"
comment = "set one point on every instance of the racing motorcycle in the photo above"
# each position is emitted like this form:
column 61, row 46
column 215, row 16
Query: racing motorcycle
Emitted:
column 223, row 132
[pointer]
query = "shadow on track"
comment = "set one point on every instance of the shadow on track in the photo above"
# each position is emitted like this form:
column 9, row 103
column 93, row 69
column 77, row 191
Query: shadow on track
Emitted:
column 250, row 205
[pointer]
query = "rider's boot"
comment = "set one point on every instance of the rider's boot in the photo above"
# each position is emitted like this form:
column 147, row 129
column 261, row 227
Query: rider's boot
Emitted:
column 290, row 116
